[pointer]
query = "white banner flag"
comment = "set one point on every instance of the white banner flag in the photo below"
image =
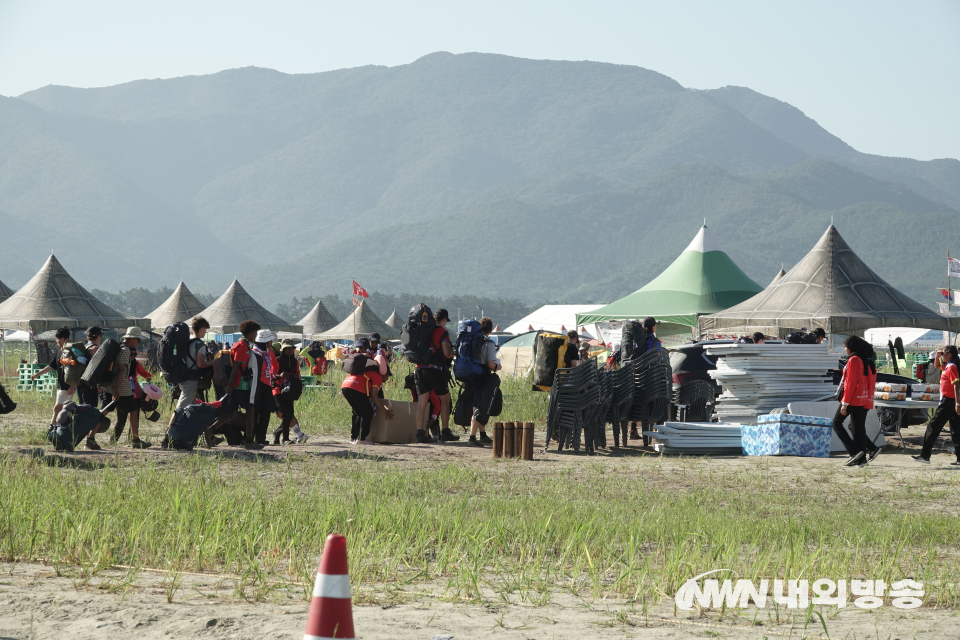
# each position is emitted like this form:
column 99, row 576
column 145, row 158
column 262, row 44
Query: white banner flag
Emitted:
column 943, row 309
column 953, row 268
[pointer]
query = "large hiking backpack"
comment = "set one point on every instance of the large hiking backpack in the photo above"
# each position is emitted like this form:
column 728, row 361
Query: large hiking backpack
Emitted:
column 357, row 364
column 470, row 339
column 83, row 419
column 103, row 365
column 800, row 337
column 416, row 335
column 173, row 354
column 222, row 365
column 190, row 423
column 6, row 404
column 632, row 333
column 74, row 359
column 549, row 349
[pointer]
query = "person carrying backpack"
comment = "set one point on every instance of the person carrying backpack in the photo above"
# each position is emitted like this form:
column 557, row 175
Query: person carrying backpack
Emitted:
column 361, row 391
column 122, row 386
column 196, row 360
column 434, row 376
column 475, row 386
column 242, row 388
column 64, row 390
column 286, row 391
column 265, row 405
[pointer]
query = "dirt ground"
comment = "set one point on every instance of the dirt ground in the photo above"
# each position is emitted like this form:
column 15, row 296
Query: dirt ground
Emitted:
column 37, row 603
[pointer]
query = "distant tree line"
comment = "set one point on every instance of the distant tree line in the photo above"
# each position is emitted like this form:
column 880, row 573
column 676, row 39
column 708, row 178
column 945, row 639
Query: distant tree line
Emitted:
column 503, row 312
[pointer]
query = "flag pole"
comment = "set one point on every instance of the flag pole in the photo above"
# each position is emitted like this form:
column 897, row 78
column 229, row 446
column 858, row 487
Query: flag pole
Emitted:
column 949, row 296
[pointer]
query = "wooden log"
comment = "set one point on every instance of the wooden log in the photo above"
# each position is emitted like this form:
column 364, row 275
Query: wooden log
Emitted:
column 507, row 439
column 497, row 439
column 528, row 431
column 518, row 440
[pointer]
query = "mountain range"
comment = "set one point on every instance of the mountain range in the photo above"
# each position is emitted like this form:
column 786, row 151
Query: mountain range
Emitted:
column 474, row 174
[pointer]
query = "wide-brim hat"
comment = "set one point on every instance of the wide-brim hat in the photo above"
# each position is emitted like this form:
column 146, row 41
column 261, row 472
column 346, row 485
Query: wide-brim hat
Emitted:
column 288, row 342
column 135, row 332
column 265, row 335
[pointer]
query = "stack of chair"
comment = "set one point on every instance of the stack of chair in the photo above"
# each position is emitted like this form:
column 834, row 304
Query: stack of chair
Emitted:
column 653, row 387
column 618, row 413
column 574, row 412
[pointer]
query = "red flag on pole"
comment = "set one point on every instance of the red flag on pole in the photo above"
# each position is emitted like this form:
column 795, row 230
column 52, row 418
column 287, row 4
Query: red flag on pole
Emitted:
column 359, row 291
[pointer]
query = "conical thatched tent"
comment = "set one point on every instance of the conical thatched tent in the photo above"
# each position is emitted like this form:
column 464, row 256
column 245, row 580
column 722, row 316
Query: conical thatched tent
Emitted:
column 779, row 275
column 360, row 324
column 179, row 307
column 395, row 321
column 832, row 288
column 53, row 299
column 317, row 320
column 235, row 306
column 703, row 279
column 5, row 292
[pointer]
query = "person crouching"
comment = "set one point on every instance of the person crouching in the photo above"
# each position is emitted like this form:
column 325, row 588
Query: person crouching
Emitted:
column 361, row 391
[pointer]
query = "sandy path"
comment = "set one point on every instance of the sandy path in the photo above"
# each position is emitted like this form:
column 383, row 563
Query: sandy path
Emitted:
column 36, row 604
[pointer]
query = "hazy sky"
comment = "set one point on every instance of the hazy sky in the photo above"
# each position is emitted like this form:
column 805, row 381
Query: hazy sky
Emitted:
column 884, row 76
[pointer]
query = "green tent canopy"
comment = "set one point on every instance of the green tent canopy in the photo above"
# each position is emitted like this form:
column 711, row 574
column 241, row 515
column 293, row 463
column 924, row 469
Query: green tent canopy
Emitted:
column 702, row 280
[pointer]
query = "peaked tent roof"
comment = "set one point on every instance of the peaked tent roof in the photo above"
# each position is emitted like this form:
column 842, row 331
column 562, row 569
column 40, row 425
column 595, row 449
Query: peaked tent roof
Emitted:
column 394, row 321
column 779, row 275
column 703, row 279
column 5, row 292
column 317, row 320
column 832, row 288
column 360, row 324
column 551, row 317
column 53, row 299
column 235, row 306
column 179, row 307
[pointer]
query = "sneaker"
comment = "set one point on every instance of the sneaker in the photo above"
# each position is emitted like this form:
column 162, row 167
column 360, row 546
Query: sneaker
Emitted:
column 473, row 442
column 165, row 443
column 423, row 438
column 448, row 436
column 137, row 443
column 484, row 438
column 873, row 454
column 251, row 445
column 955, row 464
column 854, row 459
column 301, row 439
column 92, row 445
column 921, row 459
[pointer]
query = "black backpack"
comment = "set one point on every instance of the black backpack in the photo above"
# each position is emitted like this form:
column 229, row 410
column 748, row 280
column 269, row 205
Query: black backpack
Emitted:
column 6, row 404
column 293, row 389
column 173, row 353
column 359, row 363
column 102, row 368
column 800, row 337
column 415, row 337
column 632, row 332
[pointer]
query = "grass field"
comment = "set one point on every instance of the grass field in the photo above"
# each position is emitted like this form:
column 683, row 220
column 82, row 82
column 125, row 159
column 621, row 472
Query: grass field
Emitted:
column 635, row 526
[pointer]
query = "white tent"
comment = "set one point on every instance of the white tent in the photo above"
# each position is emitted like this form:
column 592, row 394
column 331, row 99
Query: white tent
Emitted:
column 920, row 337
column 557, row 318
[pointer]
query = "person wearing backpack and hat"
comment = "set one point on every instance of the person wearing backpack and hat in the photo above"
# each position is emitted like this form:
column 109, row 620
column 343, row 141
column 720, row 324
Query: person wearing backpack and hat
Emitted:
column 435, row 376
column 121, row 388
column 86, row 394
column 361, row 391
column 488, row 358
column 288, row 369
column 64, row 390
column 244, row 377
column 265, row 405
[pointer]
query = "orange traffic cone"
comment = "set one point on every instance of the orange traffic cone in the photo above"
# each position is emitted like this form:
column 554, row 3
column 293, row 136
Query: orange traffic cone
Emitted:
column 330, row 613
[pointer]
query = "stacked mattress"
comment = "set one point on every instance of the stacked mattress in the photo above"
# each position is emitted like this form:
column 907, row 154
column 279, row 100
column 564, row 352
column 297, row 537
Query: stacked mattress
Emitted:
column 757, row 378
column 697, row 438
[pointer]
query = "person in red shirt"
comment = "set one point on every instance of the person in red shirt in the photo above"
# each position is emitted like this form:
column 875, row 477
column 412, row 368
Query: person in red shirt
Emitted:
column 859, row 382
column 288, row 371
column 435, row 377
column 265, row 405
column 362, row 393
column 949, row 410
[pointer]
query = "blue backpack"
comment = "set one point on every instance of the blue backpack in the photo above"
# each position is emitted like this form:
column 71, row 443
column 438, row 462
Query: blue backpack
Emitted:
column 470, row 339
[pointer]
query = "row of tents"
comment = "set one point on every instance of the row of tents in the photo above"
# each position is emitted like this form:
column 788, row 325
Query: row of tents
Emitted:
column 52, row 299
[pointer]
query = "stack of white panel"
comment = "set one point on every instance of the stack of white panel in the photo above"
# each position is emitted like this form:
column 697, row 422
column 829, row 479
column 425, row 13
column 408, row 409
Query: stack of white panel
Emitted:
column 697, row 438
column 757, row 378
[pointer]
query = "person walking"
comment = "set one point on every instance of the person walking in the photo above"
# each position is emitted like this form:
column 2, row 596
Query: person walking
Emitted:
column 488, row 356
column 87, row 394
column 196, row 360
column 288, row 375
column 64, row 390
column 361, row 391
column 859, row 381
column 948, row 362
column 121, row 388
column 265, row 406
column 435, row 376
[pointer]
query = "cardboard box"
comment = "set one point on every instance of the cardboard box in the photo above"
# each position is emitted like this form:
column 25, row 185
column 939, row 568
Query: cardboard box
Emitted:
column 783, row 438
column 401, row 430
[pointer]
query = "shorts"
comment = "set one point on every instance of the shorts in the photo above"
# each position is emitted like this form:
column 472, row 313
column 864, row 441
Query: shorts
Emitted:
column 63, row 396
column 428, row 380
column 126, row 404
column 239, row 399
column 188, row 393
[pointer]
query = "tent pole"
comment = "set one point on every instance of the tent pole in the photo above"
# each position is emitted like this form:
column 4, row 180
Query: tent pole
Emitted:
column 949, row 294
